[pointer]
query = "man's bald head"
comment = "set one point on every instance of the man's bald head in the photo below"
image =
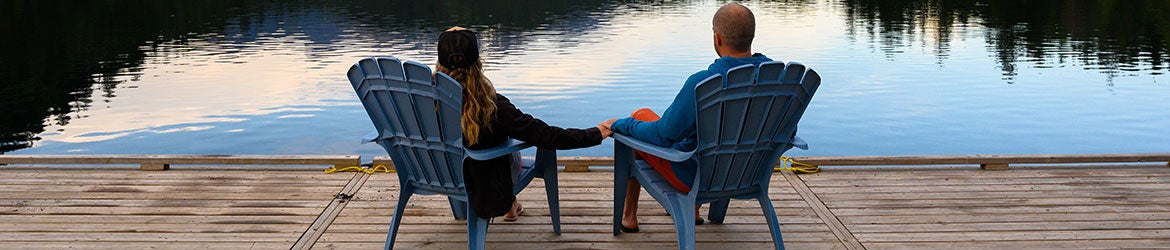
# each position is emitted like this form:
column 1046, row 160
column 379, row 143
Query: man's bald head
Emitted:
column 736, row 25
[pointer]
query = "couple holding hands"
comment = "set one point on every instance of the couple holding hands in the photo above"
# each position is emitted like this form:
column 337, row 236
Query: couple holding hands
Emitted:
column 489, row 118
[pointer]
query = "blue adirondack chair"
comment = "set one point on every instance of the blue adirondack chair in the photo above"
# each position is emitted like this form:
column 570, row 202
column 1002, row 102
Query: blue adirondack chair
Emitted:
column 418, row 123
column 746, row 121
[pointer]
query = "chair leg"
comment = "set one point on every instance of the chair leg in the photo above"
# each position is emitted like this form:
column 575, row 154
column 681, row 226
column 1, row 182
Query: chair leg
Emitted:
column 476, row 230
column 770, row 216
column 718, row 211
column 396, row 219
column 623, row 160
column 683, row 214
column 551, row 189
column 458, row 208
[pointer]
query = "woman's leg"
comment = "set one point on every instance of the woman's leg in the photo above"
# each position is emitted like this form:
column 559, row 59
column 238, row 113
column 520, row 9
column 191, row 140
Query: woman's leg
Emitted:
column 513, row 214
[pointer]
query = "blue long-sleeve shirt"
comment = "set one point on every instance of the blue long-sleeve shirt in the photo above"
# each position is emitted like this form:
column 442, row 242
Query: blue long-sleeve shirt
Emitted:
column 676, row 128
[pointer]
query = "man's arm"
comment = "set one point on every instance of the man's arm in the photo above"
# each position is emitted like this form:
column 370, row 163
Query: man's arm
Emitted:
column 677, row 122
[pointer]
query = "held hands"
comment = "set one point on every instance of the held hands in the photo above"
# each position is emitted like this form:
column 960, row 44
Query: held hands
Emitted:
column 604, row 126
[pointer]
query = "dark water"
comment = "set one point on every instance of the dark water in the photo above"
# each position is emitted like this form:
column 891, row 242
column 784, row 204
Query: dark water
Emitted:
column 267, row 77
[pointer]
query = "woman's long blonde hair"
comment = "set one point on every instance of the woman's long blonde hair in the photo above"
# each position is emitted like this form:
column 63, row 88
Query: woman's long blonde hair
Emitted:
column 479, row 99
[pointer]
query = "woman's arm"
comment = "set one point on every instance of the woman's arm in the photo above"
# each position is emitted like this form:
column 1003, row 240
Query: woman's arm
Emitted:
column 524, row 127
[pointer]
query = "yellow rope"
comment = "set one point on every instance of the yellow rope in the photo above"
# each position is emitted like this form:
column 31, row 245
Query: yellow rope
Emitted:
column 372, row 170
column 789, row 164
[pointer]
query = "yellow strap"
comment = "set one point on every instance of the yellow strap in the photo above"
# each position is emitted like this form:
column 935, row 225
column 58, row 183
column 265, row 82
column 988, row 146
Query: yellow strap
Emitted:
column 372, row 170
column 789, row 164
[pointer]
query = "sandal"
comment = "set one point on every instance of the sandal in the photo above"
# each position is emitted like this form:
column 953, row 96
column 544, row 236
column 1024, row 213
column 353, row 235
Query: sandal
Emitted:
column 513, row 216
column 629, row 229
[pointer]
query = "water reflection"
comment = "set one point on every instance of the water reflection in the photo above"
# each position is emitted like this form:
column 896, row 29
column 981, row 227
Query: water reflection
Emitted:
column 55, row 57
column 1111, row 37
column 62, row 59
column 263, row 77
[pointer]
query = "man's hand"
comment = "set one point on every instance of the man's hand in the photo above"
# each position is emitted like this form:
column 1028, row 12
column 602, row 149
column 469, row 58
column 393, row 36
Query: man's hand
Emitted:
column 604, row 126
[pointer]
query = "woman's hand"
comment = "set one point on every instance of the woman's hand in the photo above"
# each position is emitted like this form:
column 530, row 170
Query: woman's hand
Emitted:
column 604, row 126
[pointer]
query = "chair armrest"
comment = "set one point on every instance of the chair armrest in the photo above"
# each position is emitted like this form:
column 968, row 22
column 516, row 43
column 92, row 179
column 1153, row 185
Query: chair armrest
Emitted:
column 799, row 143
column 372, row 136
column 669, row 154
column 508, row 147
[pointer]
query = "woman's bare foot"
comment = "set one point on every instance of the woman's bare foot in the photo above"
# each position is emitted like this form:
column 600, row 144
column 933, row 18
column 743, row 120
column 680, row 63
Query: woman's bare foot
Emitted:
column 699, row 219
column 515, row 213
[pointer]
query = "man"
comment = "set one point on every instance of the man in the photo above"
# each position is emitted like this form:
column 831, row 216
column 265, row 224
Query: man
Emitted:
column 734, row 28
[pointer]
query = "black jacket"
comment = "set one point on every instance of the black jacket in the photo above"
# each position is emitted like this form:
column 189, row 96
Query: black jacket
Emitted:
column 489, row 183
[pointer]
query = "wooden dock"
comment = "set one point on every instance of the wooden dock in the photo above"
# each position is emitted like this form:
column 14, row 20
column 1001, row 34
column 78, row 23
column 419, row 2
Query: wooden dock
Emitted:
column 1084, row 206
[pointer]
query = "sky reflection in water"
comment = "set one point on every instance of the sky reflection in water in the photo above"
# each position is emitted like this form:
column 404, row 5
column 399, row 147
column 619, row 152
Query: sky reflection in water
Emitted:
column 270, row 80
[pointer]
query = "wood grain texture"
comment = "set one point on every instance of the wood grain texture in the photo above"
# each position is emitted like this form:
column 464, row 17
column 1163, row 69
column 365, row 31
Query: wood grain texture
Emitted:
column 1082, row 207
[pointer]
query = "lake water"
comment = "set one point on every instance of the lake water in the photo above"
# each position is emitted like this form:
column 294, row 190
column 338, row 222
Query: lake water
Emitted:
column 900, row 77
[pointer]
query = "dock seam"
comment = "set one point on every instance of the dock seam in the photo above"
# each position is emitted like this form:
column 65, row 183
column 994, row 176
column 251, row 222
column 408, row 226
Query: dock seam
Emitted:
column 330, row 213
column 847, row 239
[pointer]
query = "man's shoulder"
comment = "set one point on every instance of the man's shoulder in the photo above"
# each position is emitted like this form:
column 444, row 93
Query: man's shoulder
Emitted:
column 699, row 76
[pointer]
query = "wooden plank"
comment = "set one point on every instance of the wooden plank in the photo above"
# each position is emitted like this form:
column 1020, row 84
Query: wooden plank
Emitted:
column 1009, row 226
column 1011, row 209
column 933, row 173
column 664, row 235
column 140, row 219
column 994, row 166
column 627, row 244
column 152, row 227
column 323, row 221
column 56, row 244
column 137, row 236
column 384, row 161
column 185, row 188
column 990, row 180
column 1019, row 209
column 347, row 160
column 585, row 217
column 843, row 235
column 214, row 174
column 154, row 166
column 156, row 203
column 242, row 208
column 982, row 159
column 1111, row 234
column 877, row 218
column 1030, row 244
column 582, row 163
column 1122, row 187
column 576, row 168
column 276, row 181
column 453, row 227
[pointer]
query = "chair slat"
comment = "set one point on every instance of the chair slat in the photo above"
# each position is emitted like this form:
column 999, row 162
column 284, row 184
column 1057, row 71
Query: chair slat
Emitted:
column 741, row 76
column 769, row 73
column 793, row 73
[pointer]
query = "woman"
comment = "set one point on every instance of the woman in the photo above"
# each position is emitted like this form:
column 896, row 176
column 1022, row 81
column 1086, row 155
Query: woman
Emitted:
column 490, row 119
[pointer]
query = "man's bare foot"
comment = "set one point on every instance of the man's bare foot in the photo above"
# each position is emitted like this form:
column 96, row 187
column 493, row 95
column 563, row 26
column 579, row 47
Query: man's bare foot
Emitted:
column 630, row 226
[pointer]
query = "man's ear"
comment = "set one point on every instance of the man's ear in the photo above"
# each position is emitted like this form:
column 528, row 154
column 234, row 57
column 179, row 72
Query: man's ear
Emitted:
column 718, row 40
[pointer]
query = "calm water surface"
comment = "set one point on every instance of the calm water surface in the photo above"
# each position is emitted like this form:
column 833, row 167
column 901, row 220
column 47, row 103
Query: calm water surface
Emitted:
column 900, row 77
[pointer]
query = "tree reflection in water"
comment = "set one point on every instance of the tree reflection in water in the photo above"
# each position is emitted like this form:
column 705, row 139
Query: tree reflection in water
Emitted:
column 59, row 59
